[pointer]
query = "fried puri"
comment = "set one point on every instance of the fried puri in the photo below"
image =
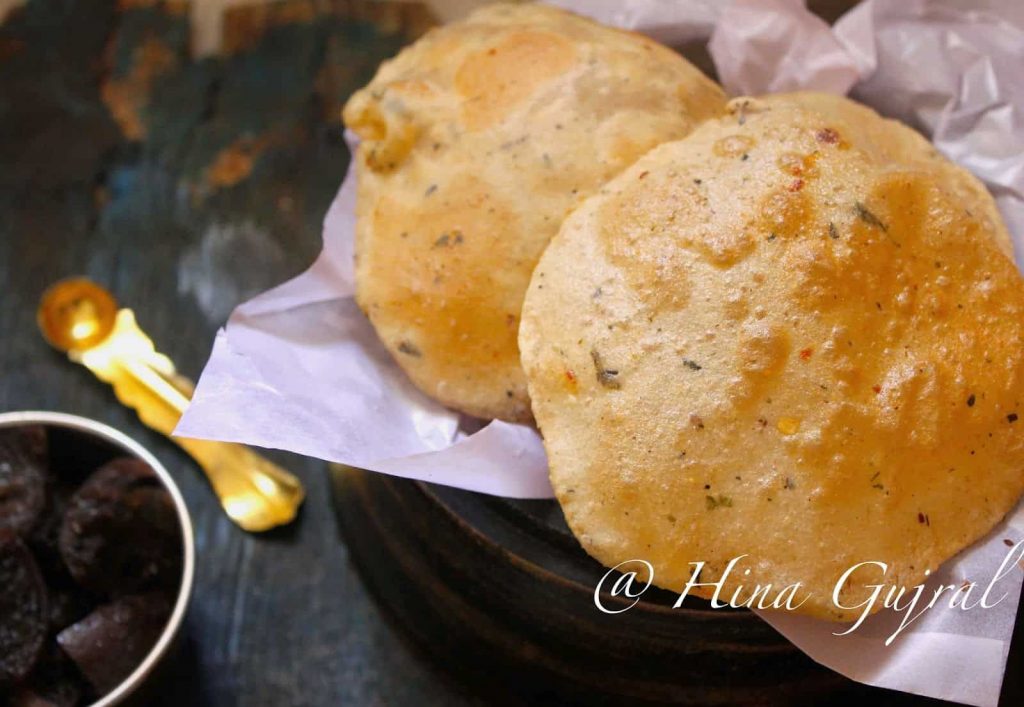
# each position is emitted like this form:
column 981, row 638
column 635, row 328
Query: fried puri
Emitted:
column 794, row 335
column 476, row 141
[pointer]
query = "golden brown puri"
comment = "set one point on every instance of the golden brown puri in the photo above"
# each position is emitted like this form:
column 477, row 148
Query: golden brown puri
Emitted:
column 476, row 141
column 792, row 335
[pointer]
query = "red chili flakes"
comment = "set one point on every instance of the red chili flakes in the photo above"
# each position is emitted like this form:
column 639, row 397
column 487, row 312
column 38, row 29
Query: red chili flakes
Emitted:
column 796, row 185
column 572, row 386
column 805, row 354
column 792, row 164
column 643, row 174
column 828, row 136
column 876, row 388
column 923, row 519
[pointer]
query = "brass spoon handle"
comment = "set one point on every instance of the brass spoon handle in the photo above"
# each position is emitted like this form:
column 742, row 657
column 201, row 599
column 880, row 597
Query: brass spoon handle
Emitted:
column 256, row 493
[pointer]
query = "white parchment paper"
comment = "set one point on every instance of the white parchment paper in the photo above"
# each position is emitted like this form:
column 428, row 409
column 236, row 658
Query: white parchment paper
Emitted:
column 299, row 368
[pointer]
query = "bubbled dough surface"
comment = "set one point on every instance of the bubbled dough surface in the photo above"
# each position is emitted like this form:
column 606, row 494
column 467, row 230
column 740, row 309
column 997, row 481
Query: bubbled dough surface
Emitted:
column 476, row 142
column 838, row 346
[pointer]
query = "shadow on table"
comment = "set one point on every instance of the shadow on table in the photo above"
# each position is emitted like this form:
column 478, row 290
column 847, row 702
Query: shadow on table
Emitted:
column 181, row 681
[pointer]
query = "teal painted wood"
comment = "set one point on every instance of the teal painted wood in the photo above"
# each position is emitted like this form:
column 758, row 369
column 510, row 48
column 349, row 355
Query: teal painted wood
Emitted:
column 280, row 619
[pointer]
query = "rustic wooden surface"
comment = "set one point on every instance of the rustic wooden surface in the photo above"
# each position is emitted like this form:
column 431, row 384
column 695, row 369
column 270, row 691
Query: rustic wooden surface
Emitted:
column 186, row 186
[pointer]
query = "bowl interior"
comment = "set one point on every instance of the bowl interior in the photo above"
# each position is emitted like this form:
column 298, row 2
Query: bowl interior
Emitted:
column 78, row 446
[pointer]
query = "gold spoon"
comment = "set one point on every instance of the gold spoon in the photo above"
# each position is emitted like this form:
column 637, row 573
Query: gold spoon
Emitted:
column 82, row 319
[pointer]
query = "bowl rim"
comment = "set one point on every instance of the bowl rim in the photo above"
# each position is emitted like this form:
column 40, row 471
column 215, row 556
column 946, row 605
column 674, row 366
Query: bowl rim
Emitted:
column 95, row 428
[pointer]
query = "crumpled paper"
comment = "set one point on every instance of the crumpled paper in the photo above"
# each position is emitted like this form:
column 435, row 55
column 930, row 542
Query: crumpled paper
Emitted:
column 299, row 368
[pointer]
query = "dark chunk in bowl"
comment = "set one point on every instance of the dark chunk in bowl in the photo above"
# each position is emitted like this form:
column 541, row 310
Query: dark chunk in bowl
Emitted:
column 111, row 642
column 66, row 606
column 23, row 610
column 120, row 533
column 23, row 478
column 54, row 683
column 44, row 540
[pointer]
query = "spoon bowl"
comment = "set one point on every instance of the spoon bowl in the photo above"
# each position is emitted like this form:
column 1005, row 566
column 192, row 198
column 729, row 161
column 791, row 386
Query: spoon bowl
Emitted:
column 76, row 314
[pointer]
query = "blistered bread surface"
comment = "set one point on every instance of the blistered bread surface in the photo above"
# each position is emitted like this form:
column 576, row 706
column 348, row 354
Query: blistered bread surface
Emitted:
column 795, row 336
column 476, row 141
